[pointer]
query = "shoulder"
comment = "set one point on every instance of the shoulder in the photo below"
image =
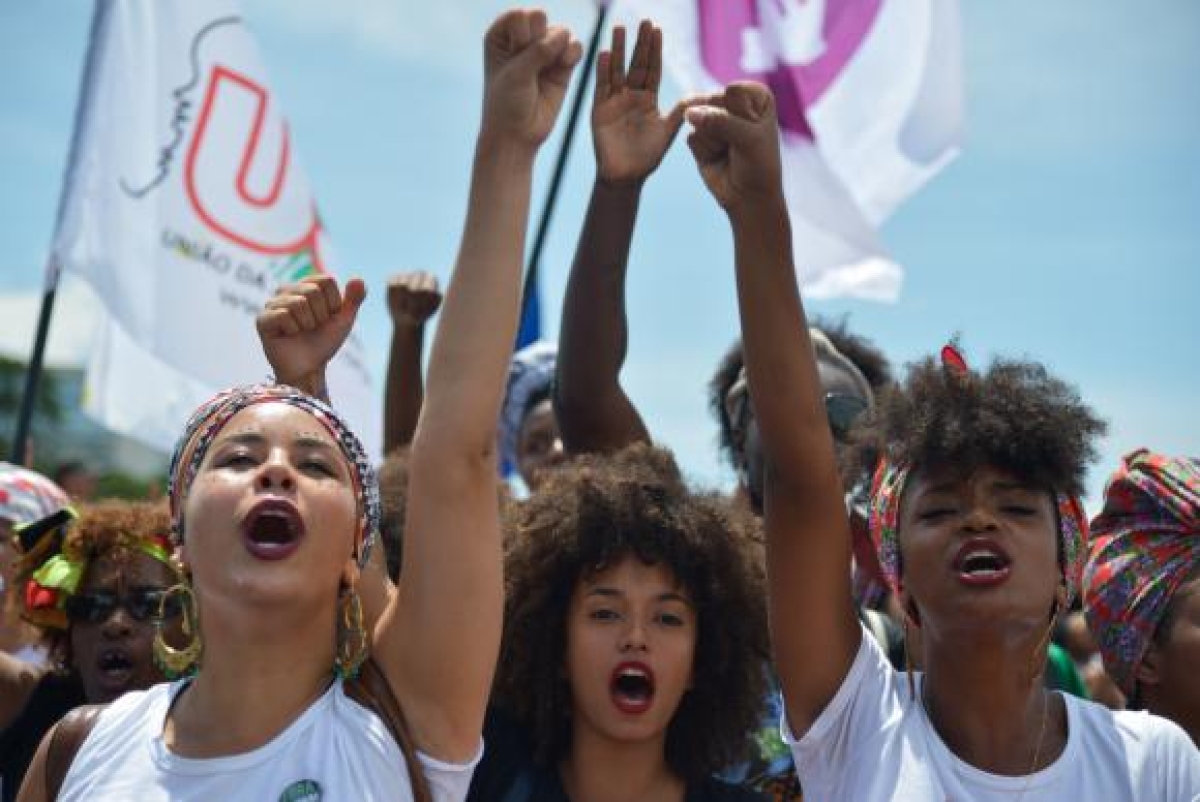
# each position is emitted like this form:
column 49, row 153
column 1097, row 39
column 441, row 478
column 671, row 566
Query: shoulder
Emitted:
column 714, row 790
column 1156, row 751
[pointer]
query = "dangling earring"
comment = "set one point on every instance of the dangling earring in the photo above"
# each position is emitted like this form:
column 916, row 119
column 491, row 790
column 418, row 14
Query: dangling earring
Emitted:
column 352, row 641
column 1037, row 664
column 908, row 661
column 175, row 663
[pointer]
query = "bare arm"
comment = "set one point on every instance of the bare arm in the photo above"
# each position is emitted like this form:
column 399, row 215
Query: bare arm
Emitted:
column 413, row 298
column 814, row 629
column 33, row 787
column 630, row 137
column 439, row 641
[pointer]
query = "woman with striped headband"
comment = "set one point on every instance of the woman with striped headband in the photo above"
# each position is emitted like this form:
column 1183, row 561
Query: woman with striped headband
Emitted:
column 978, row 526
column 276, row 508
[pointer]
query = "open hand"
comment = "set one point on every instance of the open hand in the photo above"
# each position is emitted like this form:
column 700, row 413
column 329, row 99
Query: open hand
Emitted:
column 413, row 298
column 304, row 325
column 629, row 133
column 527, row 66
column 735, row 141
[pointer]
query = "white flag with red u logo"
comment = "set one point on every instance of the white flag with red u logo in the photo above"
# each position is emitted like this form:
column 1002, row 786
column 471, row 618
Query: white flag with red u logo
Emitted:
column 185, row 209
column 870, row 102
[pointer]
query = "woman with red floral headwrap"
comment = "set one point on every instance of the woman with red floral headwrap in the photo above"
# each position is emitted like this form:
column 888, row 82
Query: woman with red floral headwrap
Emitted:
column 975, row 514
column 1141, row 586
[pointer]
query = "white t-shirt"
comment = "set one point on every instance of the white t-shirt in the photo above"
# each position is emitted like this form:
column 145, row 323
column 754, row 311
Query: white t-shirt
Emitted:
column 336, row 750
column 873, row 743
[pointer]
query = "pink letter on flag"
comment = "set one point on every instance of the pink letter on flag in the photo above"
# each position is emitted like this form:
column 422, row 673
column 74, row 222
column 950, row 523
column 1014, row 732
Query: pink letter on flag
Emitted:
column 869, row 94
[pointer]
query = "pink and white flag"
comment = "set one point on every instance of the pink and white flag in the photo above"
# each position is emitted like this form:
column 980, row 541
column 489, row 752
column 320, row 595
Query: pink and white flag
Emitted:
column 870, row 103
column 184, row 207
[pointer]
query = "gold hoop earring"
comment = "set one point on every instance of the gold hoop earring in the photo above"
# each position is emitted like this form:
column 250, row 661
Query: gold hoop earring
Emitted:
column 175, row 663
column 353, row 645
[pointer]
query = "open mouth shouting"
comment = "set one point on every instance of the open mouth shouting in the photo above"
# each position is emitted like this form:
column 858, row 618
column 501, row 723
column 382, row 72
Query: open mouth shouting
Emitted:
column 272, row 530
column 115, row 667
column 981, row 562
column 632, row 688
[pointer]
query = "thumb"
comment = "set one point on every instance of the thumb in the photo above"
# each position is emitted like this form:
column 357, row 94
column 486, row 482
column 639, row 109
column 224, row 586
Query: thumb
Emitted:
column 717, row 123
column 353, row 296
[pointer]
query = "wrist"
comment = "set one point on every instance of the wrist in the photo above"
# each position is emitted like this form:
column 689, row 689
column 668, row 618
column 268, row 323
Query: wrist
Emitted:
column 766, row 209
column 312, row 383
column 622, row 188
column 503, row 149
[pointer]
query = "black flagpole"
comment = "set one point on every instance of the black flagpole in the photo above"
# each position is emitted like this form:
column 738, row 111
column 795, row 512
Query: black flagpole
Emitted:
column 33, row 373
column 529, row 288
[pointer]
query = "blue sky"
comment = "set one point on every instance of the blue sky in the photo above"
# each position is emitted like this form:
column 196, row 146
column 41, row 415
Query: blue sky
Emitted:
column 1066, row 231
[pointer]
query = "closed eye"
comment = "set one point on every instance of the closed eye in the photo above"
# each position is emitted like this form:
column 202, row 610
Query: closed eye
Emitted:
column 1019, row 509
column 671, row 619
column 318, row 467
column 236, row 459
column 604, row 614
column 935, row 514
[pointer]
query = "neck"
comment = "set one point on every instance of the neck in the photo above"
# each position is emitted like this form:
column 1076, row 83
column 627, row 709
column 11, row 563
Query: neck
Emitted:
column 600, row 769
column 283, row 668
column 990, row 708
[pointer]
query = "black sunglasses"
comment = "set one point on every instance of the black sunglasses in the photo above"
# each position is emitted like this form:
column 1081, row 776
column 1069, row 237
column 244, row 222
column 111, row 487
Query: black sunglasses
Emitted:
column 141, row 603
column 843, row 410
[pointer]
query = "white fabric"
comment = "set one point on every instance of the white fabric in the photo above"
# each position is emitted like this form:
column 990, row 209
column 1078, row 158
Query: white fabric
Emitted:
column 872, row 743
column 339, row 746
column 880, row 86
column 185, row 207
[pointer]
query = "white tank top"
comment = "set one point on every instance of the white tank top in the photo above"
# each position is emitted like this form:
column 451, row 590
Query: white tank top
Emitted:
column 336, row 749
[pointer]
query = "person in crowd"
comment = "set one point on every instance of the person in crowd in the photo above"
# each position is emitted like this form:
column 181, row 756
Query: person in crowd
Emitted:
column 974, row 507
column 1141, row 585
column 76, row 480
column 530, row 442
column 635, row 636
column 276, row 508
column 1077, row 639
column 25, row 496
column 96, row 585
column 413, row 298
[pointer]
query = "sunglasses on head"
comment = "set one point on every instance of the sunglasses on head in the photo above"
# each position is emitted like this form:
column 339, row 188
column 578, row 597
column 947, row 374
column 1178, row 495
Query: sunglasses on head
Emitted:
column 142, row 604
column 841, row 409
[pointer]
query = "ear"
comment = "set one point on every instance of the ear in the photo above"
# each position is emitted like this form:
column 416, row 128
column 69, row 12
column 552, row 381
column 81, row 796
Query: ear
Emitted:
column 1149, row 670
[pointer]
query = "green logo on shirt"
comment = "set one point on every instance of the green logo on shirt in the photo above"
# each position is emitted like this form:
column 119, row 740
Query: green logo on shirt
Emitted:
column 302, row 791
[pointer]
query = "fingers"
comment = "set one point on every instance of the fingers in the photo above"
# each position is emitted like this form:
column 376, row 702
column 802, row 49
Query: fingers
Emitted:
column 654, row 70
column 616, row 62
column 639, row 65
column 309, row 304
column 603, row 82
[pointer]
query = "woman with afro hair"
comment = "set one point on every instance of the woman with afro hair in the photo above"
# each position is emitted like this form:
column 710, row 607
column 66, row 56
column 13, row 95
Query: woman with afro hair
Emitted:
column 975, row 511
column 634, row 638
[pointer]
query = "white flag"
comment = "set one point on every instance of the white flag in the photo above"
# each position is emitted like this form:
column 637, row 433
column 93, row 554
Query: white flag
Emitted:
column 870, row 101
column 185, row 208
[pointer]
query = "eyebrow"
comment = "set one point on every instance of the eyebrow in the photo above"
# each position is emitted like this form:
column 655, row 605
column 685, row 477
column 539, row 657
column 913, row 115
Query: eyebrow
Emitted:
column 608, row 592
column 256, row 438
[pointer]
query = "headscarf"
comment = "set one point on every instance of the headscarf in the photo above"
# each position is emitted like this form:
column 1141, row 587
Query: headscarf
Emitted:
column 530, row 374
column 54, row 562
column 1144, row 544
column 26, row 496
column 208, row 421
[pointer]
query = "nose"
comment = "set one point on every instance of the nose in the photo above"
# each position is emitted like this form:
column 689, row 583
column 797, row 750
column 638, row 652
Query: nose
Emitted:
column 634, row 636
column 118, row 624
column 276, row 474
column 979, row 519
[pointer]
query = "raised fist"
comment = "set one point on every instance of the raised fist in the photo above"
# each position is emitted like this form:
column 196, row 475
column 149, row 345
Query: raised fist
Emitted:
column 304, row 325
column 413, row 298
column 735, row 140
column 527, row 66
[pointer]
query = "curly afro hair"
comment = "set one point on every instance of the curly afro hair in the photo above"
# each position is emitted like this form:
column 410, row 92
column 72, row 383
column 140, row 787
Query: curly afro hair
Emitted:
column 587, row 517
column 861, row 352
column 1014, row 416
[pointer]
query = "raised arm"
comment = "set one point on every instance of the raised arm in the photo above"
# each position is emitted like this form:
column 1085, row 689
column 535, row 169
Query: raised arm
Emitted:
column 413, row 298
column 303, row 325
column 439, row 640
column 814, row 630
column 630, row 136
